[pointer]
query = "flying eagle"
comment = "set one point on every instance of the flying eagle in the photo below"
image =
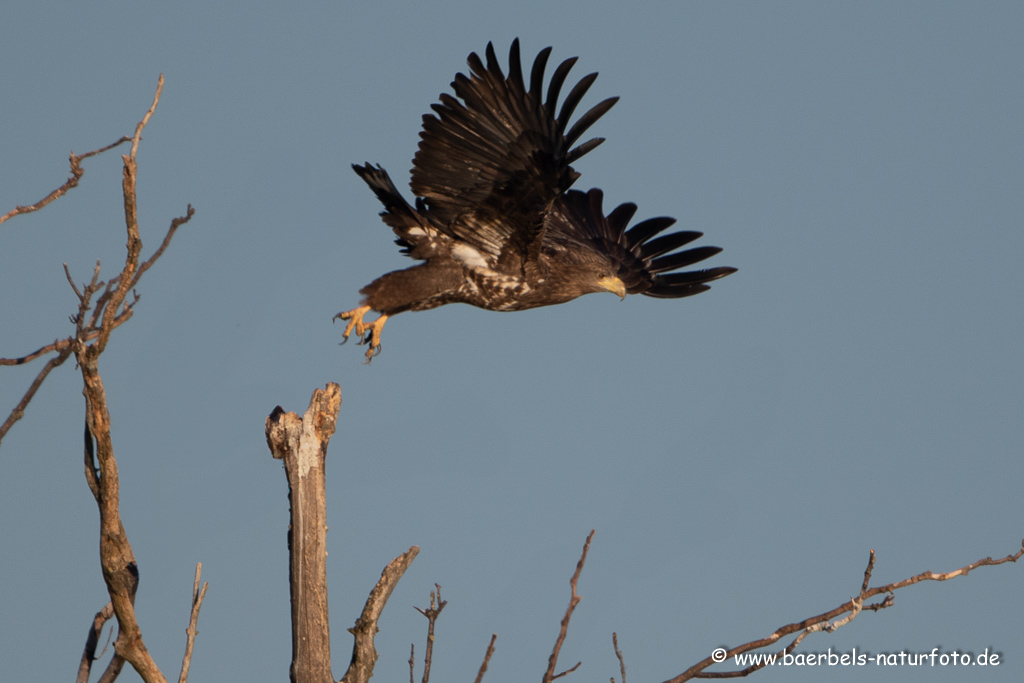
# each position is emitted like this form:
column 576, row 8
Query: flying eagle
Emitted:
column 494, row 220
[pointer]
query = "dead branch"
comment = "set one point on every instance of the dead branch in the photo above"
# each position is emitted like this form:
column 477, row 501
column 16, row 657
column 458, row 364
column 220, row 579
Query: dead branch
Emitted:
column 302, row 444
column 91, row 641
column 58, row 345
column 191, row 632
column 432, row 613
column 175, row 224
column 574, row 600
column 76, row 174
column 618, row 654
column 487, row 658
column 364, row 654
column 19, row 410
column 823, row 622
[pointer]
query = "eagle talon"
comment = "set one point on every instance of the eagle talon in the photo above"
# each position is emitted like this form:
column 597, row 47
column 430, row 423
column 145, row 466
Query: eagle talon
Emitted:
column 371, row 337
column 368, row 333
column 355, row 321
column 371, row 353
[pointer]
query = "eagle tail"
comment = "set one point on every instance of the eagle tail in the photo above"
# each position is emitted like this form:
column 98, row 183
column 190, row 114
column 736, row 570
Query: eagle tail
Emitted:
column 409, row 224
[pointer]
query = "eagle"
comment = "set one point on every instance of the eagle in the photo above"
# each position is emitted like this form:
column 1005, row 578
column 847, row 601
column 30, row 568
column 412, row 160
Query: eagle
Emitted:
column 494, row 220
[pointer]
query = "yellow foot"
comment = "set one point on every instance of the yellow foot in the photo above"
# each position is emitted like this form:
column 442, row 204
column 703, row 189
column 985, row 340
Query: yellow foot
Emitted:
column 373, row 337
column 369, row 333
column 355, row 320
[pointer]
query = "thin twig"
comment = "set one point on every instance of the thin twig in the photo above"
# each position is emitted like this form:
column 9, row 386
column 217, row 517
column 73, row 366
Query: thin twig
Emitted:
column 618, row 653
column 191, row 631
column 412, row 662
column 101, row 150
column 487, row 658
column 432, row 613
column 175, row 224
column 868, row 571
column 574, row 600
column 145, row 119
column 58, row 345
column 71, row 281
column 567, row 671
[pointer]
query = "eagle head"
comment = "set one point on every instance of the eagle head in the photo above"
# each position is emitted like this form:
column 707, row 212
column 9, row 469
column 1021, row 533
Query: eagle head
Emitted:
column 613, row 284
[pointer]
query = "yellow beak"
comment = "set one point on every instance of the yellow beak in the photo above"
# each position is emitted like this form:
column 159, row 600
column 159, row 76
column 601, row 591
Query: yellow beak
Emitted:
column 613, row 285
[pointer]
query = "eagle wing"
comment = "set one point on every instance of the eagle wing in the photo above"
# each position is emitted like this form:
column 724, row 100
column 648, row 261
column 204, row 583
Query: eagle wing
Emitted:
column 488, row 166
column 644, row 258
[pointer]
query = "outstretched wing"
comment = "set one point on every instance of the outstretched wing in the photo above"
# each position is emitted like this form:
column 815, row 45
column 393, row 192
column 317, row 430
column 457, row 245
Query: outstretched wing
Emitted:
column 488, row 166
column 643, row 259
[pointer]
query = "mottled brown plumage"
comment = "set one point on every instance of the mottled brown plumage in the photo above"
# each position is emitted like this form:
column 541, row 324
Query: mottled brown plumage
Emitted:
column 494, row 220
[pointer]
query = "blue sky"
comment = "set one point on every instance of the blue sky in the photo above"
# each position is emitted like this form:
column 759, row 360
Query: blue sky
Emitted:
column 856, row 385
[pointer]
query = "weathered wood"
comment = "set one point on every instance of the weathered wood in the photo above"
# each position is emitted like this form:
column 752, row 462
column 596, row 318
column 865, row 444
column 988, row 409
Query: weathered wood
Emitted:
column 364, row 653
column 302, row 444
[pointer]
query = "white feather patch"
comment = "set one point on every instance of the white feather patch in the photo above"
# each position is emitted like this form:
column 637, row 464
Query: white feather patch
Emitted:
column 468, row 256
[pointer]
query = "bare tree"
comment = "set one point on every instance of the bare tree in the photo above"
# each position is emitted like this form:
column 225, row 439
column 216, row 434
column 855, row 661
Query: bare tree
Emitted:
column 104, row 306
column 301, row 442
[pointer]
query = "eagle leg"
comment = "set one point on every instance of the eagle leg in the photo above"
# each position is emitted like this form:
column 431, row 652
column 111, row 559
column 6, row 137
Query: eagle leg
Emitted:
column 369, row 333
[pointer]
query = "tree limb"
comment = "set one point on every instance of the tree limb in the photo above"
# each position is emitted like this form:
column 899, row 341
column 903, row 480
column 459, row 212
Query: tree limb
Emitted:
column 19, row 410
column 574, row 600
column 823, row 622
column 191, row 632
column 76, row 174
column 89, row 654
column 618, row 654
column 431, row 613
column 364, row 654
column 487, row 658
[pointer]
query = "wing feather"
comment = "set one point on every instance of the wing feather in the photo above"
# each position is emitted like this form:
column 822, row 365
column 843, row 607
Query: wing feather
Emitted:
column 493, row 156
column 644, row 230
column 537, row 73
column 682, row 259
column 666, row 243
